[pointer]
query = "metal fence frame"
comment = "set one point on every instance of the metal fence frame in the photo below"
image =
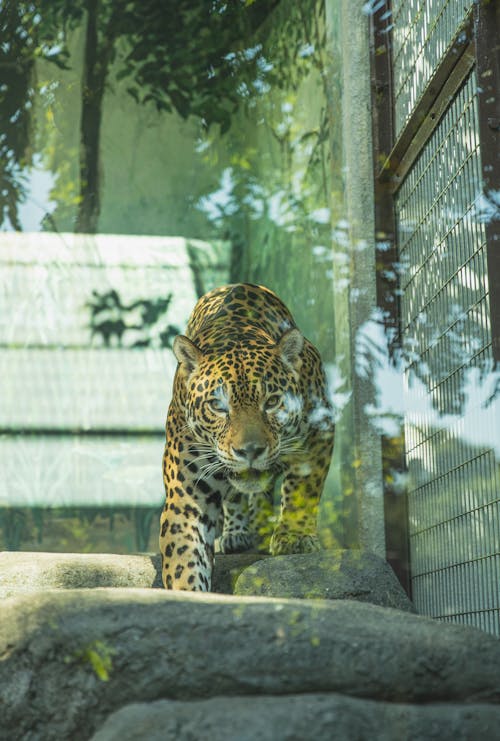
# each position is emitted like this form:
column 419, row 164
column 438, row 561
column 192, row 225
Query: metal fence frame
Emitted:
column 475, row 44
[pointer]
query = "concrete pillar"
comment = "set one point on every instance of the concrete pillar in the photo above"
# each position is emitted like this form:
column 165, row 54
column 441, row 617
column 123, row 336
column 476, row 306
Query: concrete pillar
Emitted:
column 355, row 298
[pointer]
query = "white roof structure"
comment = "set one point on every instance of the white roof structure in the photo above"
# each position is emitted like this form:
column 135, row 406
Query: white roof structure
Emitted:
column 83, row 326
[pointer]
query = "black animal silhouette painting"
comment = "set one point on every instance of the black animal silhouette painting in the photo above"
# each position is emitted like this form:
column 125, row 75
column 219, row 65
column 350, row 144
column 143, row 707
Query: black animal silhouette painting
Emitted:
column 141, row 323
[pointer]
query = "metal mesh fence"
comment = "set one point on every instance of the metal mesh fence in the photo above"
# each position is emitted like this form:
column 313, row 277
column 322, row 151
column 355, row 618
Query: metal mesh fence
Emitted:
column 422, row 30
column 450, row 428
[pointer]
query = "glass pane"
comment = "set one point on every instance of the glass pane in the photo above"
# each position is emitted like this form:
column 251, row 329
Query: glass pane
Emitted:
column 151, row 154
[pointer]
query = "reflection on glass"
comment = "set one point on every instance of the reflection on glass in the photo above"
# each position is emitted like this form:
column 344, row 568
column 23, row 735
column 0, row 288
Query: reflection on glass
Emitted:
column 207, row 130
column 150, row 151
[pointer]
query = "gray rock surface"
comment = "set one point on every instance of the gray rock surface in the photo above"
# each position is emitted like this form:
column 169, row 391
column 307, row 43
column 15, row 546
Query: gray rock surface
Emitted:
column 71, row 658
column 228, row 567
column 23, row 572
column 319, row 717
column 340, row 574
column 328, row 574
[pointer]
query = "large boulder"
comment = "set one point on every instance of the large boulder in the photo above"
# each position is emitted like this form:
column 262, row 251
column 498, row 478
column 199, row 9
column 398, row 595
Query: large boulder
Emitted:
column 320, row 717
column 72, row 657
column 341, row 574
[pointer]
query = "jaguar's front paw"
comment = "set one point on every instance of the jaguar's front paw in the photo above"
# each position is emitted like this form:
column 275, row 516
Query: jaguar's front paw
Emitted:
column 236, row 542
column 285, row 542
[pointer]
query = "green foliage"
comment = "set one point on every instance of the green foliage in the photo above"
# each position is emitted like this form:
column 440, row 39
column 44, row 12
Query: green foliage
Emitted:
column 98, row 655
column 29, row 32
column 190, row 57
column 182, row 56
column 79, row 529
column 18, row 31
column 277, row 200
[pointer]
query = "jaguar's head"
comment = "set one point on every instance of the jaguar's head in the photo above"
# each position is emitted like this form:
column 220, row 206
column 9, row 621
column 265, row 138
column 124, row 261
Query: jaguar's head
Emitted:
column 243, row 405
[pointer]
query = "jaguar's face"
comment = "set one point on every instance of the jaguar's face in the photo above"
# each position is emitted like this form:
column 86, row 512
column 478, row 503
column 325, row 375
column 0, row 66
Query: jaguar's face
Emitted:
column 244, row 409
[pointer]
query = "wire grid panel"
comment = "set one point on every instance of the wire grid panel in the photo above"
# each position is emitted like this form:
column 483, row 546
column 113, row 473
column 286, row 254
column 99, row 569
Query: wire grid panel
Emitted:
column 422, row 31
column 453, row 428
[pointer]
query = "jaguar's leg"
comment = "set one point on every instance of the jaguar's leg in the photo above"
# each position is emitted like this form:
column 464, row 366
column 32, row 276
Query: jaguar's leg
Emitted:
column 261, row 517
column 187, row 532
column 300, row 494
column 236, row 534
column 189, row 519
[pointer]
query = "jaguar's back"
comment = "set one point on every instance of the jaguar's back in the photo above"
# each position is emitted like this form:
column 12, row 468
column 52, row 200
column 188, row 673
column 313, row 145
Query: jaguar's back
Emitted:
column 238, row 312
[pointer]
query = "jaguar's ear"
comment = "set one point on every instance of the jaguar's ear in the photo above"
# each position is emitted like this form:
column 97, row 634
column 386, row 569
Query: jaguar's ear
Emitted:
column 187, row 353
column 290, row 346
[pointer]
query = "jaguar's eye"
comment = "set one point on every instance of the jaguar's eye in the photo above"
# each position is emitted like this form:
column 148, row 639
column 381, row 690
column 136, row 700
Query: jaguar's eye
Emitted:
column 219, row 406
column 272, row 403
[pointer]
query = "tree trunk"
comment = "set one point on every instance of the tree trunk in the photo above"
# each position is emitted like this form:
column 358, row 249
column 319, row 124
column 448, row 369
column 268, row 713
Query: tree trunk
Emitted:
column 95, row 70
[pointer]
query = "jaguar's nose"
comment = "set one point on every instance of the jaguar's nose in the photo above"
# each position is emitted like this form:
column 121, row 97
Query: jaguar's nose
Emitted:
column 249, row 452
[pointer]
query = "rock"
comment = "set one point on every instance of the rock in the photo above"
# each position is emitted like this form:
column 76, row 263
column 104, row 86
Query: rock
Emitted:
column 327, row 574
column 341, row 574
column 228, row 568
column 319, row 717
column 22, row 572
column 72, row 657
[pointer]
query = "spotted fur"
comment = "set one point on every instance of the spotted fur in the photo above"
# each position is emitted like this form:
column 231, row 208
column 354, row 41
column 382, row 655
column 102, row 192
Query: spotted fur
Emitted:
column 249, row 404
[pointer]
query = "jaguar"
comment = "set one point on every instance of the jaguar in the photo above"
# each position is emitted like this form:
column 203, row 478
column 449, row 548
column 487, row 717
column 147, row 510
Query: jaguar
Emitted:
column 249, row 406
